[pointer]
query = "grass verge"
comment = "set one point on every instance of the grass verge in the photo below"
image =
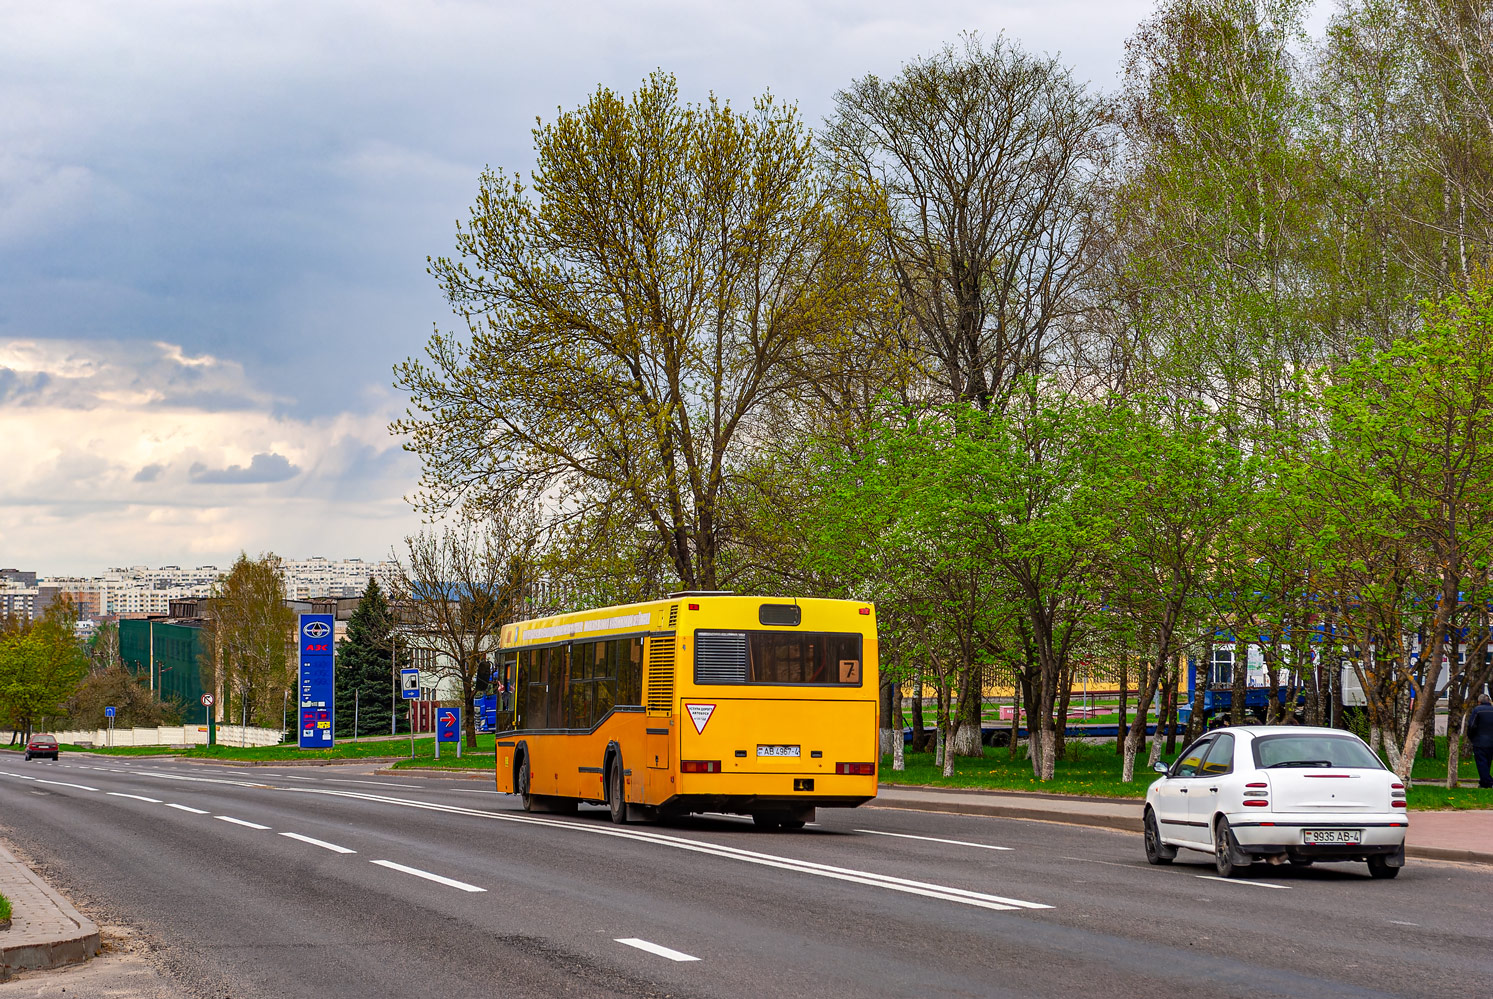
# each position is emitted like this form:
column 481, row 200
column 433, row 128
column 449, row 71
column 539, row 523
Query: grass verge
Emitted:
column 1094, row 771
column 4, row 908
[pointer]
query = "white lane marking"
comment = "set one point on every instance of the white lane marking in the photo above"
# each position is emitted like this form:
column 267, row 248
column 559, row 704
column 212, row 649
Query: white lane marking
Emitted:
column 942, row 892
column 468, row 790
column 653, row 948
column 319, row 842
column 291, row 777
column 1397, row 922
column 376, row 783
column 16, row 776
column 63, row 783
column 186, row 808
column 935, row 839
column 426, row 875
column 1106, row 863
column 1236, row 881
column 137, row 797
column 240, row 822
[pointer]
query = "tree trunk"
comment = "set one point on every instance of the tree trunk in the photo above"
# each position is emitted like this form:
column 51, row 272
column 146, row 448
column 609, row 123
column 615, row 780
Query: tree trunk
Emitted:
column 899, row 760
column 1240, row 689
column 1453, row 753
column 1065, row 697
column 1123, row 723
column 919, row 732
column 890, row 732
column 1131, row 747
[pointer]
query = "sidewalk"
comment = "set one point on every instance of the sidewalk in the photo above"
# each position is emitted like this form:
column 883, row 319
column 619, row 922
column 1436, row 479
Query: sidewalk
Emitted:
column 1465, row 836
column 45, row 932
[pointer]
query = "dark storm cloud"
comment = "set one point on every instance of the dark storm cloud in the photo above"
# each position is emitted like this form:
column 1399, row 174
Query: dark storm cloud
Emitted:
column 262, row 468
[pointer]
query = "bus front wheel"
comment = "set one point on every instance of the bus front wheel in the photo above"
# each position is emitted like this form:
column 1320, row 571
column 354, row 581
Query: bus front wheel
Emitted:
column 616, row 799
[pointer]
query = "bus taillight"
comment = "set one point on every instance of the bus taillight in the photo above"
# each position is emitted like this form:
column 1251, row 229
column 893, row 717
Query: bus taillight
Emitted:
column 700, row 766
column 856, row 769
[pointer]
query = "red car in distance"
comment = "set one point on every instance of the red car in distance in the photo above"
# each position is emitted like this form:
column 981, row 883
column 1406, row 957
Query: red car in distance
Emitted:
column 41, row 744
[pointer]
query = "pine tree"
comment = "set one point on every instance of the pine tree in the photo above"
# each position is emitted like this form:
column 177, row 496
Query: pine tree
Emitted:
column 364, row 666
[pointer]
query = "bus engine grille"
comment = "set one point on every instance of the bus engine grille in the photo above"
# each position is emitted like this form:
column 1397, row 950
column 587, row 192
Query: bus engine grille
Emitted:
column 660, row 673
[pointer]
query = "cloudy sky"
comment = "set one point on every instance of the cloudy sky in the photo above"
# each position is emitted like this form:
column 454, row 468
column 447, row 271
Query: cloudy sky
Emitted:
column 214, row 219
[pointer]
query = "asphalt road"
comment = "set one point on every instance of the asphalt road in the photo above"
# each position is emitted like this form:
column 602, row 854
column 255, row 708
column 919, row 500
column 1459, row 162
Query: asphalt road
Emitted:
column 334, row 882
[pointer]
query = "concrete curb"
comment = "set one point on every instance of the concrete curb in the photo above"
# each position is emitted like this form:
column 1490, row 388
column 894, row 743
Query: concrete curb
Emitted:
column 1457, row 856
column 482, row 775
column 70, row 939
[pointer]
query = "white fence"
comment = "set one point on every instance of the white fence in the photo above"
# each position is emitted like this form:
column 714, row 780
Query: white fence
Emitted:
column 165, row 735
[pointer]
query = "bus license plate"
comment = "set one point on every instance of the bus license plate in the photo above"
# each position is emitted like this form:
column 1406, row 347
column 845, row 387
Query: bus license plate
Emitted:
column 777, row 751
column 1332, row 837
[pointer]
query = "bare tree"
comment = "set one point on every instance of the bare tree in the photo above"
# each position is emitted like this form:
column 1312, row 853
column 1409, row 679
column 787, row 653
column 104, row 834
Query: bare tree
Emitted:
column 987, row 156
column 456, row 588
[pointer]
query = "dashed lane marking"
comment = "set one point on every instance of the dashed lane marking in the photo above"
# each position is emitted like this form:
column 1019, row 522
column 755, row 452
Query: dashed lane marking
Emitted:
column 137, row 797
column 240, row 822
column 185, row 808
column 935, row 839
column 63, row 783
column 653, row 948
column 451, row 882
column 944, row 893
column 319, row 842
column 1236, row 881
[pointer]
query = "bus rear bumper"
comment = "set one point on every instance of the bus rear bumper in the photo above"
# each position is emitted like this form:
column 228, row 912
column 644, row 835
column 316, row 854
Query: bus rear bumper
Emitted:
column 751, row 804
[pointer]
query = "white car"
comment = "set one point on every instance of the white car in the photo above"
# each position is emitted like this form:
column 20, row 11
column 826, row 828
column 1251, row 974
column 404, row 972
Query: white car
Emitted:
column 1278, row 793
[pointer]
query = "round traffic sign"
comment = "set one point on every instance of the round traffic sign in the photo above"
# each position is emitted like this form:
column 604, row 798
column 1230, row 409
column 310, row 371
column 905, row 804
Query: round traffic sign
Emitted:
column 207, row 700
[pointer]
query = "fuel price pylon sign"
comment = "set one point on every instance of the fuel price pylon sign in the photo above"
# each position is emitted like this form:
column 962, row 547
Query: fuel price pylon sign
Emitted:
column 318, row 683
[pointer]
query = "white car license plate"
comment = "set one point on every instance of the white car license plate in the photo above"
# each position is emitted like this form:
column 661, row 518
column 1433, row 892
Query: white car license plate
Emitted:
column 1332, row 837
column 777, row 750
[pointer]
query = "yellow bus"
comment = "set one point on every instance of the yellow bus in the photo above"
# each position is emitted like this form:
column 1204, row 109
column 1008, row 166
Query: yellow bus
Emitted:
column 758, row 706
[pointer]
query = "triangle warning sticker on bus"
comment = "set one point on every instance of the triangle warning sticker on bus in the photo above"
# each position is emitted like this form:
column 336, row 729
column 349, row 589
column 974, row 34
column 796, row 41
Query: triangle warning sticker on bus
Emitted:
column 700, row 715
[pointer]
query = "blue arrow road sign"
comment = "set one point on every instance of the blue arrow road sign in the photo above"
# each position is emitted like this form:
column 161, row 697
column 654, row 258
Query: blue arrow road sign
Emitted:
column 409, row 684
column 448, row 724
column 109, row 712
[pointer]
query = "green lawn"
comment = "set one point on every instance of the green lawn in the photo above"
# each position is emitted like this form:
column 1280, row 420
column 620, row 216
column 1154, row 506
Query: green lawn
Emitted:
column 1094, row 771
column 4, row 908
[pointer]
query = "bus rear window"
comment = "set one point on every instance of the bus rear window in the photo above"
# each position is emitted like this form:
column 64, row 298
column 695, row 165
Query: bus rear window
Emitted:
column 777, row 657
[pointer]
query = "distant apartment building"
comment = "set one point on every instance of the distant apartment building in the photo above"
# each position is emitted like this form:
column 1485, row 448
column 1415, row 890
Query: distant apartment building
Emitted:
column 140, row 591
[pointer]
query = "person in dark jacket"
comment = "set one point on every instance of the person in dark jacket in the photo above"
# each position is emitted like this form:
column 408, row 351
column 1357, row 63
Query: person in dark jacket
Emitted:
column 1480, row 734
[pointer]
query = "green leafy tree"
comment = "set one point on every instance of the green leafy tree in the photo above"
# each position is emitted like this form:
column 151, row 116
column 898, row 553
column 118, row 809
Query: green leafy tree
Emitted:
column 248, row 656
column 632, row 316
column 41, row 665
column 367, row 663
column 1403, row 471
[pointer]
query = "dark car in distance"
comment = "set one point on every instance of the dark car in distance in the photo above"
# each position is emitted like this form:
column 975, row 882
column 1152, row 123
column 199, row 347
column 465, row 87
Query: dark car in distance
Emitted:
column 41, row 744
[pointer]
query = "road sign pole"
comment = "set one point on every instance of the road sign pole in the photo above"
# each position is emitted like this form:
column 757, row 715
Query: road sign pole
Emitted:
column 412, row 729
column 438, row 734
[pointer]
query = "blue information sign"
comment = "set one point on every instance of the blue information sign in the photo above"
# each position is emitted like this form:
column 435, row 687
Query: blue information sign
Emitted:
column 318, row 686
column 409, row 684
column 448, row 724
column 109, row 712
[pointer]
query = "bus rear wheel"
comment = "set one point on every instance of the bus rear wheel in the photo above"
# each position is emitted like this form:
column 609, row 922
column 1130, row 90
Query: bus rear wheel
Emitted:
column 616, row 799
column 523, row 784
